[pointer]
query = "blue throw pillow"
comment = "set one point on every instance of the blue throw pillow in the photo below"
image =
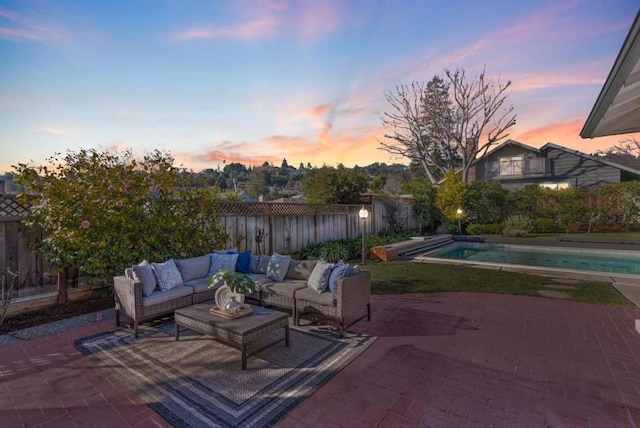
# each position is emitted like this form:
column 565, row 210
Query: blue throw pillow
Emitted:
column 229, row 251
column 337, row 272
column 167, row 274
column 244, row 262
column 223, row 261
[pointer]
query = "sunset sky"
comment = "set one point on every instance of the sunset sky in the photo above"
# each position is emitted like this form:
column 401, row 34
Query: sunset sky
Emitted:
column 262, row 80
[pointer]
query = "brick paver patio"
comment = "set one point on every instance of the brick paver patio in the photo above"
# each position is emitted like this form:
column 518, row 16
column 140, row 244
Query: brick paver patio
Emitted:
column 441, row 360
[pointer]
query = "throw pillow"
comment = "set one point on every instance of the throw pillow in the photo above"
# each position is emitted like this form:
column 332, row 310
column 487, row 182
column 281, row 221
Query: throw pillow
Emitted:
column 223, row 261
column 319, row 277
column 300, row 269
column 278, row 266
column 142, row 272
column 167, row 274
column 229, row 251
column 263, row 264
column 255, row 262
column 337, row 272
column 243, row 264
column 352, row 270
column 194, row 267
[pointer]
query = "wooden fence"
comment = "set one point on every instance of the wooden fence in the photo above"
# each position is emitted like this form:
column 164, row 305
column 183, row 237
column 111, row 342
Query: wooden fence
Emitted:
column 285, row 228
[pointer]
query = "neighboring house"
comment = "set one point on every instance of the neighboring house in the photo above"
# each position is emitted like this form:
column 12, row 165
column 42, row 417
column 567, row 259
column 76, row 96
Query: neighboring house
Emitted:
column 295, row 199
column 515, row 165
column 241, row 195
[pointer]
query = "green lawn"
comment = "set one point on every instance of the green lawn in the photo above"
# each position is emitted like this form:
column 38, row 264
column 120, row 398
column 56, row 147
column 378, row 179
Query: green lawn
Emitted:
column 413, row 277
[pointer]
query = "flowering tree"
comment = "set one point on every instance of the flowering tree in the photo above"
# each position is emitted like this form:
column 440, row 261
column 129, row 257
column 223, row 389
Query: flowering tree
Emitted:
column 451, row 195
column 104, row 211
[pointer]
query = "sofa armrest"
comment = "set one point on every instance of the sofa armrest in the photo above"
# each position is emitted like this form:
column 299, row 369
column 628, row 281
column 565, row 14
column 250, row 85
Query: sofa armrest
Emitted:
column 128, row 294
column 354, row 292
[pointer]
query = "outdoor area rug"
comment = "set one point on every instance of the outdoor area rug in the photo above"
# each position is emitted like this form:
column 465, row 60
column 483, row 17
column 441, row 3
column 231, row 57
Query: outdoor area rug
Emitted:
column 197, row 381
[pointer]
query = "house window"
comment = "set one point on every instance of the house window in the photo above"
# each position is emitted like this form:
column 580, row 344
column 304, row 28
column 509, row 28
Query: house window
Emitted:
column 511, row 165
column 555, row 186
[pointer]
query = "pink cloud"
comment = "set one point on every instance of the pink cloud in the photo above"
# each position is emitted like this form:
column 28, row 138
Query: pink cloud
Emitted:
column 50, row 130
column 267, row 19
column 24, row 27
column 359, row 144
column 319, row 111
column 260, row 28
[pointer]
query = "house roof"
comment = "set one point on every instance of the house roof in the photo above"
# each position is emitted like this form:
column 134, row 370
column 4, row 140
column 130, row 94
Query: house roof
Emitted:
column 506, row 143
column 625, row 168
column 548, row 146
column 617, row 109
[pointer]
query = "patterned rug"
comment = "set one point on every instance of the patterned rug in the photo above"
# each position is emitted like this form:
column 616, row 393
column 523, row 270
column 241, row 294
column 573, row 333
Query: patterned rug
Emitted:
column 197, row 382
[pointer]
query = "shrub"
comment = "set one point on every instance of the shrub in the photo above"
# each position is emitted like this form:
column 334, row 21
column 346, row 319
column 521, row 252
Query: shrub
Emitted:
column 545, row 225
column 332, row 251
column 103, row 211
column 348, row 248
column 517, row 225
column 484, row 229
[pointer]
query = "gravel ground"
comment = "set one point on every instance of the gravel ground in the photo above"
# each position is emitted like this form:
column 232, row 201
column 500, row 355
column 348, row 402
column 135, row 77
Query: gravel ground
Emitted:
column 55, row 319
column 41, row 330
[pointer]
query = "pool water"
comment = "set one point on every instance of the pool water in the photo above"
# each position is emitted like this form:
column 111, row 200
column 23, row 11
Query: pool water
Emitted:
column 627, row 262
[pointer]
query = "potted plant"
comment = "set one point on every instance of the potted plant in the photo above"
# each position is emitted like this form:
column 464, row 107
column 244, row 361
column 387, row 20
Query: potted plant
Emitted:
column 230, row 296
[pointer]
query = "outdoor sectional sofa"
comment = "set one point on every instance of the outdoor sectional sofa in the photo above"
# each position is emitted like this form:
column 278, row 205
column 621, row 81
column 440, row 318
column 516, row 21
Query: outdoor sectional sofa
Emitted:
column 151, row 290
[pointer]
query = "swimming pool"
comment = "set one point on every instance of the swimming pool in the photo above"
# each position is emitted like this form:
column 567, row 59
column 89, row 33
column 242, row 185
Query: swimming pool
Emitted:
column 621, row 262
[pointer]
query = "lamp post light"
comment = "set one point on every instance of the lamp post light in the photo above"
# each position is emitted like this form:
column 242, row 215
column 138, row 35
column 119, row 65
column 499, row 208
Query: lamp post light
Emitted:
column 363, row 214
column 459, row 213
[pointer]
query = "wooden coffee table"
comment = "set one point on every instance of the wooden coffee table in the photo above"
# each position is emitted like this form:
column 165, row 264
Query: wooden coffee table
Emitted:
column 238, row 333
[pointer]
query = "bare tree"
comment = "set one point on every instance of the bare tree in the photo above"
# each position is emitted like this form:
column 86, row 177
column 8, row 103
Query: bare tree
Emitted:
column 447, row 125
column 419, row 114
column 626, row 152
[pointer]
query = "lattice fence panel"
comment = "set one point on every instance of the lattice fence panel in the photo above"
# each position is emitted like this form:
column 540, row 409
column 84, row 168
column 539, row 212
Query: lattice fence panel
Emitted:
column 11, row 208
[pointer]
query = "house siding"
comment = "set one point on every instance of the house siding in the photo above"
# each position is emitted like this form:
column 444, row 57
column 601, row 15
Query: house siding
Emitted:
column 550, row 165
column 505, row 151
column 580, row 171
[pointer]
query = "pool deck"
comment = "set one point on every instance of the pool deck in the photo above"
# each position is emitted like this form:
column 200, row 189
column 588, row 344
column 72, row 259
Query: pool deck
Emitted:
column 440, row 360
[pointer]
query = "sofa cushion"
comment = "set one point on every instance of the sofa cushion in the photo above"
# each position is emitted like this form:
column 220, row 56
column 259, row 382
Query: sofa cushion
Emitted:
column 260, row 279
column 167, row 275
column 142, row 272
column 243, row 264
column 223, row 261
column 300, row 269
column 310, row 295
column 278, row 266
column 263, row 264
column 319, row 278
column 158, row 297
column 199, row 285
column 337, row 272
column 287, row 288
column 194, row 267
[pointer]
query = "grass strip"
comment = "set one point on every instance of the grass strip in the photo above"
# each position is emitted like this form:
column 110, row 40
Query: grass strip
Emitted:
column 397, row 277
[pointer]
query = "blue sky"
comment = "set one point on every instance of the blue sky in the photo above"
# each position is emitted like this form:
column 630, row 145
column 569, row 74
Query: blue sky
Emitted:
column 255, row 81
